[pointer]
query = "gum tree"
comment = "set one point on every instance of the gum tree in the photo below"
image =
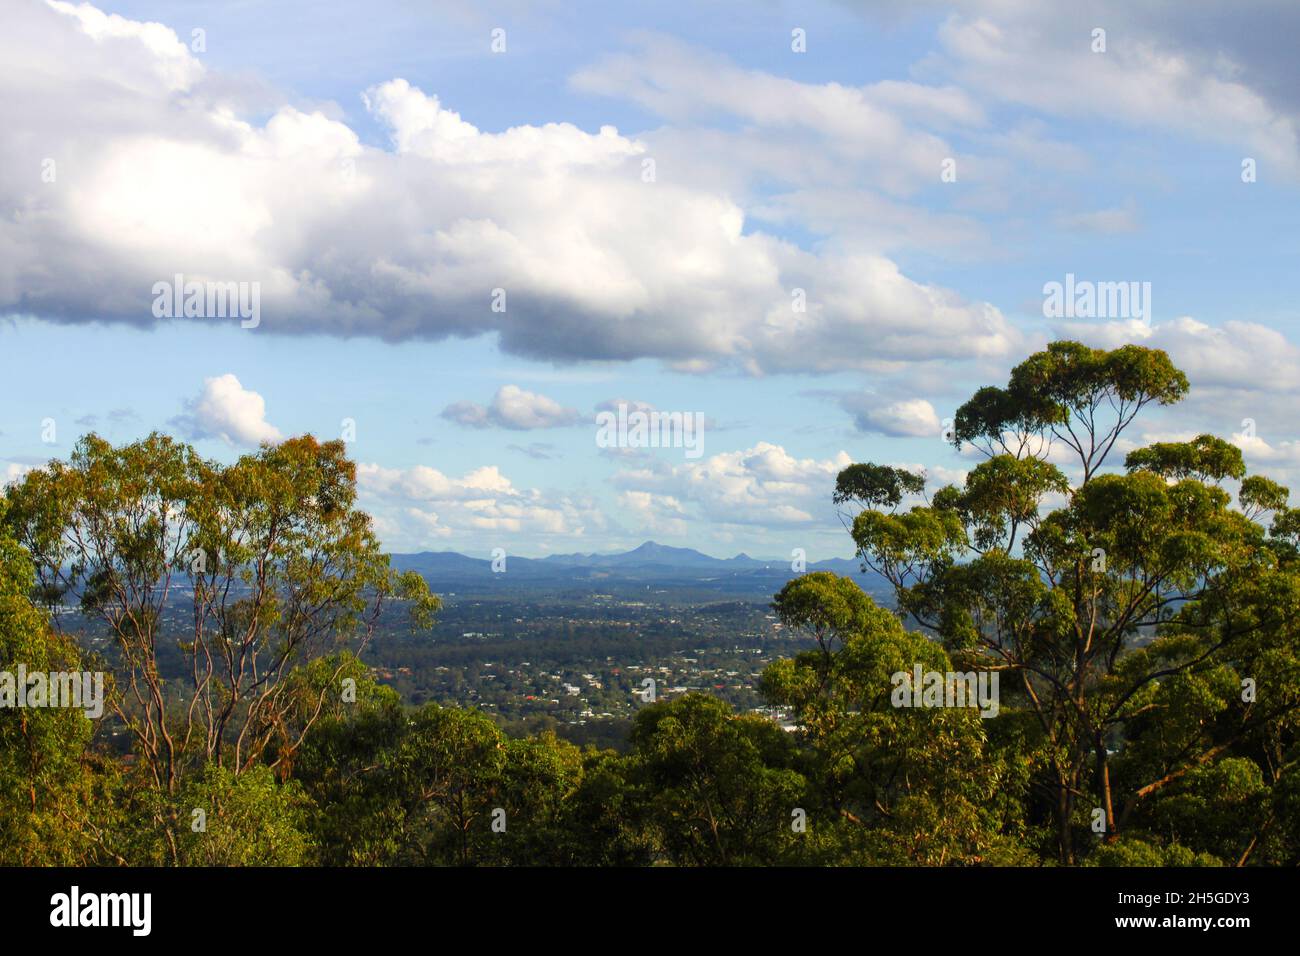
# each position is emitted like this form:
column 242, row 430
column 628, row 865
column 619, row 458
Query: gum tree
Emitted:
column 50, row 806
column 1124, row 608
column 894, row 786
column 719, row 788
column 214, row 583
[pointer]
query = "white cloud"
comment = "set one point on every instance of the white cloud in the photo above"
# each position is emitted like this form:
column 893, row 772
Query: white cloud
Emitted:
column 939, row 475
column 422, row 483
column 909, row 418
column 479, row 508
column 1041, row 56
column 11, row 471
column 166, row 59
column 1238, row 355
column 763, row 485
column 226, row 410
column 655, row 514
column 875, row 124
column 1256, row 449
column 513, row 408
column 1278, row 459
column 161, row 172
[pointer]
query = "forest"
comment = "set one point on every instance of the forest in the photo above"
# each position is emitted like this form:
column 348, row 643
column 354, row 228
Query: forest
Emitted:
column 1138, row 604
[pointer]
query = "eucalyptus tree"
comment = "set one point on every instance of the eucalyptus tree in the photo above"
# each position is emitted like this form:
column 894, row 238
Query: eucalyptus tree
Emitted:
column 214, row 583
column 50, row 790
column 888, row 785
column 1139, row 617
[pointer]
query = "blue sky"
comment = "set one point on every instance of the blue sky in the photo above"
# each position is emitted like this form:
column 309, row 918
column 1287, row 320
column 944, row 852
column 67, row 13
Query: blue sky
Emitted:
column 774, row 171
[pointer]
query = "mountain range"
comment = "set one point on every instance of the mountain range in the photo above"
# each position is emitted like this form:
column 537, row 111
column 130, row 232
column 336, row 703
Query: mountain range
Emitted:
column 651, row 566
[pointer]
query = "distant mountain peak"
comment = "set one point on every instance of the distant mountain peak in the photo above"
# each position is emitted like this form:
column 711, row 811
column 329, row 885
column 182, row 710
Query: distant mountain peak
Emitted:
column 654, row 547
column 648, row 554
column 644, row 565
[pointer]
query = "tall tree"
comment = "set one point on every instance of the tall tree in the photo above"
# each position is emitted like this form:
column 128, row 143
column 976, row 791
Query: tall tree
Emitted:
column 267, row 560
column 895, row 786
column 720, row 789
column 51, row 787
column 1105, row 601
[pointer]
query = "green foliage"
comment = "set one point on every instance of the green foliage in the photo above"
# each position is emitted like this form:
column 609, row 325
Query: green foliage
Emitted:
column 1128, row 620
column 281, row 566
column 908, row 547
column 1136, row 851
column 881, row 775
column 1003, row 494
column 829, row 607
column 1260, row 495
column 1204, row 457
column 721, row 788
column 1079, row 396
column 876, row 485
column 249, row 820
column 49, row 784
column 608, row 815
column 1144, row 628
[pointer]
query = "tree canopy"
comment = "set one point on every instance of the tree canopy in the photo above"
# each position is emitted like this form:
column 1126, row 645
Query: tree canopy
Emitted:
column 1135, row 621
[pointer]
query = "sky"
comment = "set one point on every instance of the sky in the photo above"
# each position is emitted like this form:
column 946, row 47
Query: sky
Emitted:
column 472, row 227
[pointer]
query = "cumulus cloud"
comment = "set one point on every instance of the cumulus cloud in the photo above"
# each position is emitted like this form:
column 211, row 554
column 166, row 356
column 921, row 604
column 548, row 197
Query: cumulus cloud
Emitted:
column 226, row 410
column 411, row 504
column 514, row 408
column 1283, row 453
column 763, row 485
column 162, row 172
column 908, row 418
column 11, row 471
column 1236, row 355
column 826, row 158
column 655, row 514
column 940, row 475
column 936, row 477
column 1278, row 458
